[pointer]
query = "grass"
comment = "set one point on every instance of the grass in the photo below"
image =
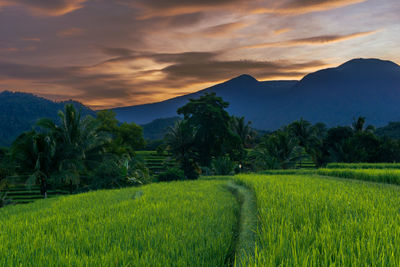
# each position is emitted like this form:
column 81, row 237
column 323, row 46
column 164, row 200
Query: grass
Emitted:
column 363, row 166
column 390, row 176
column 317, row 221
column 247, row 223
column 166, row 224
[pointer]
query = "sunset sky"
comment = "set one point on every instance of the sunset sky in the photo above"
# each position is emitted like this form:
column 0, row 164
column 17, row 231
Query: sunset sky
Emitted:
column 108, row 53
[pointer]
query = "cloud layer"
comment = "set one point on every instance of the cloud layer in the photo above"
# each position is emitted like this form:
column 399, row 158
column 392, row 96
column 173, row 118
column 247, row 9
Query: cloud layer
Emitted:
column 109, row 53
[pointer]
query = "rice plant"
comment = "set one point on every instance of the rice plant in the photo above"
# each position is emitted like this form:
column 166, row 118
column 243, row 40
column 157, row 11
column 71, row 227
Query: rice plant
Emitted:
column 363, row 166
column 166, row 224
column 316, row 221
column 390, row 176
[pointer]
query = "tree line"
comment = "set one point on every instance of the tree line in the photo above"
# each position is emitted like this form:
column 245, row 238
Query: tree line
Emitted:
column 208, row 139
column 78, row 153
column 75, row 153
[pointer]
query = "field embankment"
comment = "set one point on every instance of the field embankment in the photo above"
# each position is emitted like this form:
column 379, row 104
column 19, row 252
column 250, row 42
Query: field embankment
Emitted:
column 177, row 223
column 363, row 166
column 390, row 176
column 316, row 221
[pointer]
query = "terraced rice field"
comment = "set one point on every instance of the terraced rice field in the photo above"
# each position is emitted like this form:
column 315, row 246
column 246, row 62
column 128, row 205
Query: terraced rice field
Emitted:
column 316, row 221
column 390, row 176
column 174, row 224
column 284, row 218
column 363, row 166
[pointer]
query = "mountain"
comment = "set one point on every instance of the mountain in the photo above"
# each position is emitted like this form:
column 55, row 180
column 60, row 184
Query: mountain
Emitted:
column 156, row 129
column 391, row 130
column 335, row 96
column 20, row 111
column 242, row 93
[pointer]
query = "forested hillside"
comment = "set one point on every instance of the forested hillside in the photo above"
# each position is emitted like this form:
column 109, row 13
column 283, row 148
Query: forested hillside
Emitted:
column 20, row 111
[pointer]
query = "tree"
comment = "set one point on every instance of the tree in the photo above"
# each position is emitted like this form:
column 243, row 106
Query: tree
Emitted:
column 358, row 125
column 243, row 130
column 34, row 154
column 305, row 133
column 278, row 150
column 126, row 137
column 181, row 143
column 214, row 136
column 79, row 145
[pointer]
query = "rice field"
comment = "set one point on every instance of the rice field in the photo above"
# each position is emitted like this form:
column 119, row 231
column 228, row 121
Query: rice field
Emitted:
column 316, row 221
column 390, row 176
column 166, row 224
column 363, row 166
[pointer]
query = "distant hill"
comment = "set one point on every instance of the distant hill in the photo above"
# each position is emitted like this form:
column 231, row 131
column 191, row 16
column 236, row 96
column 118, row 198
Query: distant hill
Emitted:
column 20, row 111
column 391, row 130
column 156, row 129
column 360, row 87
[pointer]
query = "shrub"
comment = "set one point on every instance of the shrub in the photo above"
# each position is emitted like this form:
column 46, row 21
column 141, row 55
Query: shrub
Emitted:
column 223, row 166
column 171, row 174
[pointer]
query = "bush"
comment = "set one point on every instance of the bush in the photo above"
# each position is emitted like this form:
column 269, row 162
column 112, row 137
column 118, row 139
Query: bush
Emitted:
column 223, row 166
column 171, row 174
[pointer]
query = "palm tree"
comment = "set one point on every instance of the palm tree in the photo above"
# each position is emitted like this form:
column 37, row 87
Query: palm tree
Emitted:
column 303, row 131
column 278, row 150
column 358, row 125
column 79, row 144
column 34, row 154
column 181, row 141
column 243, row 130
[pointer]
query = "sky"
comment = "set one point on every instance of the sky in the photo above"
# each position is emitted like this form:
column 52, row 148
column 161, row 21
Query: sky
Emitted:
column 110, row 53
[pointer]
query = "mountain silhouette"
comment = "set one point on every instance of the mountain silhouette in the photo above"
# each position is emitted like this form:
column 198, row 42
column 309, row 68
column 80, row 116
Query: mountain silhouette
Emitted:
column 335, row 96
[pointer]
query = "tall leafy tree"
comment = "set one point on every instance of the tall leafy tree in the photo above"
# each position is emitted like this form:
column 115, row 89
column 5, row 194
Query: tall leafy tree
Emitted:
column 214, row 136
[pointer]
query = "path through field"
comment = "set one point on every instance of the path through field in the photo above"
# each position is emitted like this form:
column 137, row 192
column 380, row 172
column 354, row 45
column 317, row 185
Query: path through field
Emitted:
column 247, row 223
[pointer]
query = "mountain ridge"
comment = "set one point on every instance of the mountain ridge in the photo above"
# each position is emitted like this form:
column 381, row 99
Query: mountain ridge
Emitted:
column 318, row 96
column 19, row 112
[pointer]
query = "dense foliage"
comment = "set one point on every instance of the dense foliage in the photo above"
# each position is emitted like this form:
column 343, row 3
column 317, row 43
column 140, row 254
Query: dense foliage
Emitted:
column 174, row 224
column 288, row 146
column 76, row 153
column 313, row 221
column 20, row 111
column 208, row 134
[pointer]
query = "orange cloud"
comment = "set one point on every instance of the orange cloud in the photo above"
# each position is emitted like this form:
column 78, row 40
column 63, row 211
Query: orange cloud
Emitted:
column 301, row 6
column 31, row 39
column 282, row 31
column 46, row 7
column 222, row 29
column 70, row 32
column 316, row 40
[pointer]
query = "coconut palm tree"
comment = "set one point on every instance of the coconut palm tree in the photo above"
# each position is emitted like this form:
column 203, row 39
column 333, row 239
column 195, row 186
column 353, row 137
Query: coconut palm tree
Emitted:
column 358, row 125
column 181, row 142
column 243, row 130
column 79, row 144
column 34, row 154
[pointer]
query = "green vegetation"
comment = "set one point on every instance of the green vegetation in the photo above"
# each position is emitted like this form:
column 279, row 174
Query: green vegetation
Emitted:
column 390, row 176
column 245, row 240
column 166, row 224
column 363, row 166
column 314, row 221
column 74, row 153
